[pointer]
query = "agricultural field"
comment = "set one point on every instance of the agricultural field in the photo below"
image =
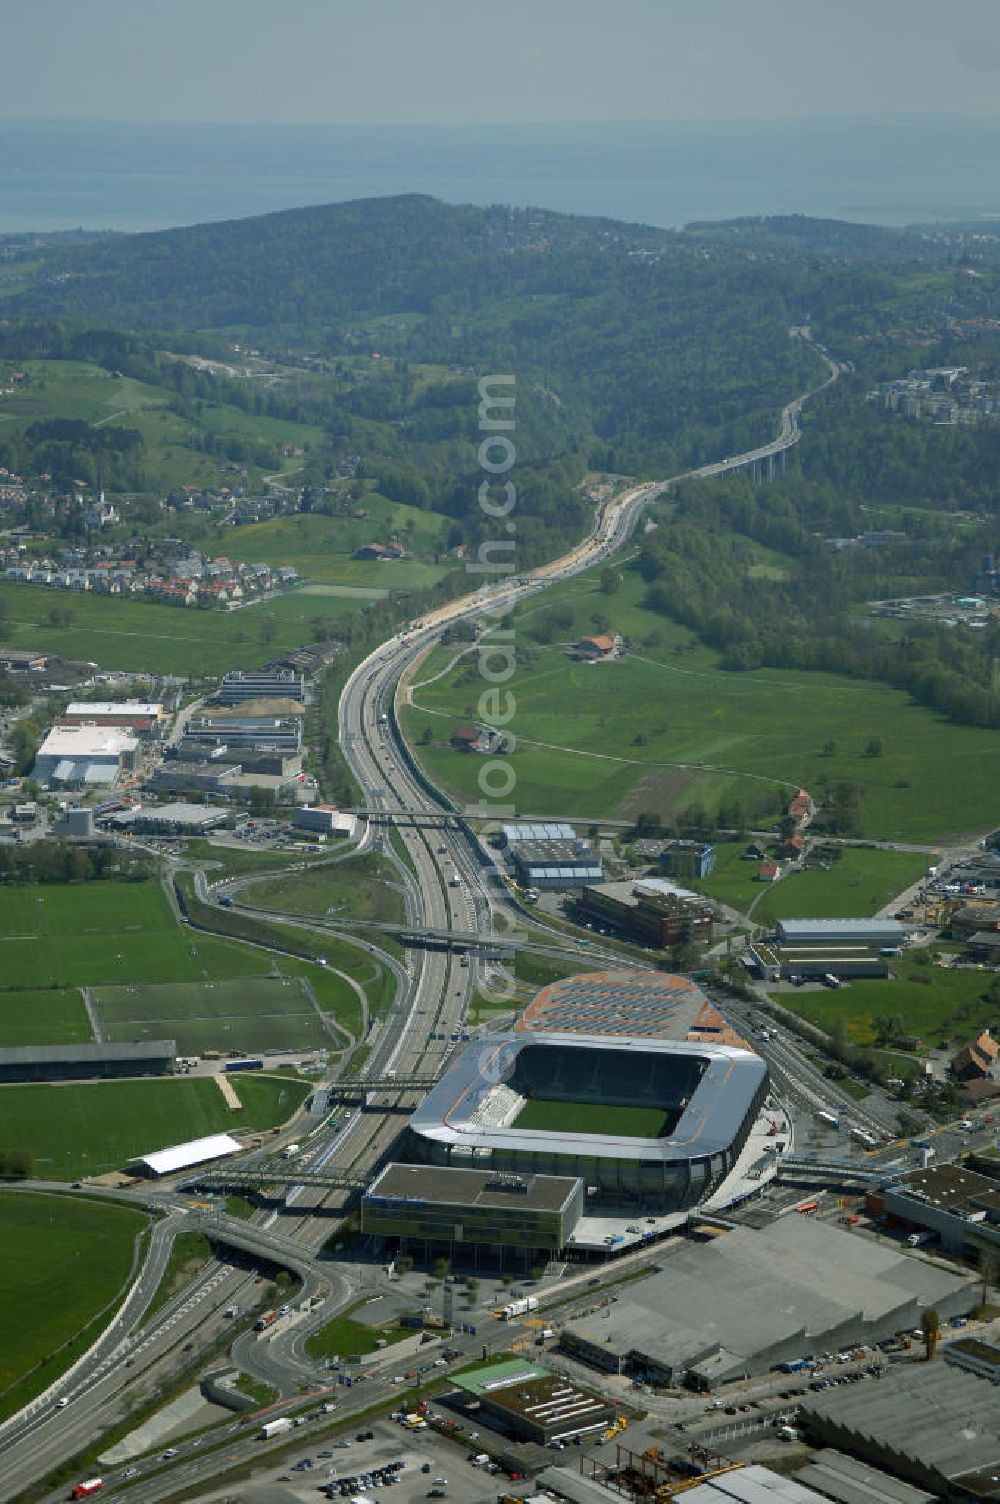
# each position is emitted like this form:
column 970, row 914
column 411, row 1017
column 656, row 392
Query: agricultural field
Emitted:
column 363, row 887
column 596, row 1117
column 87, row 1128
column 110, row 933
column 666, row 727
column 252, row 1014
column 143, row 637
column 934, row 1003
column 50, row 1016
column 62, row 1262
column 321, row 547
column 861, row 882
column 172, row 455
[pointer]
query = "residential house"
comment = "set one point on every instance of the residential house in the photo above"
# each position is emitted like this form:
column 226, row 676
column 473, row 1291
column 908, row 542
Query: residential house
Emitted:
column 768, row 871
column 599, row 649
column 976, row 1060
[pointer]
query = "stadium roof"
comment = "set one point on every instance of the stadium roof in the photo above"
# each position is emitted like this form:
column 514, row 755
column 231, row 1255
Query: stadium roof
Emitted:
column 182, row 1156
column 708, row 1124
column 636, row 1004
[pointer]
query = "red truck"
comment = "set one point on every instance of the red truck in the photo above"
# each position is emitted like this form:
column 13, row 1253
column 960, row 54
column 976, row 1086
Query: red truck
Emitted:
column 84, row 1490
column 263, row 1322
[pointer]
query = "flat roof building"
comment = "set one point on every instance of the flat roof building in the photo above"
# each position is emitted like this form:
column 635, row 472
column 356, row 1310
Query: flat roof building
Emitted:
column 172, row 819
column 83, row 1062
column 85, row 755
column 440, row 1206
column 557, row 864
column 836, row 932
column 325, row 819
column 652, row 909
column 550, row 830
column 960, row 1206
column 267, row 684
column 531, row 1404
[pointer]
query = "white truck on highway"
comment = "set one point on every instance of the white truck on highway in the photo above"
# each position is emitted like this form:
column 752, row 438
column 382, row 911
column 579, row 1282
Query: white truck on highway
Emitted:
column 290, row 1151
column 519, row 1307
column 274, row 1427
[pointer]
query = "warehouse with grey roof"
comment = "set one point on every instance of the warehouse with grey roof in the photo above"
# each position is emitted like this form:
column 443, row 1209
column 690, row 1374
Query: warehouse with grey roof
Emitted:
column 932, row 1424
column 752, row 1299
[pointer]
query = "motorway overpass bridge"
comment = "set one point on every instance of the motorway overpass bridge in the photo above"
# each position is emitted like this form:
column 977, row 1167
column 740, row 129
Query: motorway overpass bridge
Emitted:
column 252, row 1177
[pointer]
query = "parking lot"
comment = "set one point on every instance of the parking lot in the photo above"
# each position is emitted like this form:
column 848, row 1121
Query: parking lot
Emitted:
column 426, row 1458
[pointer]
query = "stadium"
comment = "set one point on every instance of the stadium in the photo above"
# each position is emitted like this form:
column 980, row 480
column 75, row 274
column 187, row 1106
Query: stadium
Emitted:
column 663, row 1119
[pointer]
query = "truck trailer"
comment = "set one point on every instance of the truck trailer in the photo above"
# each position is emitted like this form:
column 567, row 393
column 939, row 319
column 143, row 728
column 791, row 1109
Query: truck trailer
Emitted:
column 274, row 1427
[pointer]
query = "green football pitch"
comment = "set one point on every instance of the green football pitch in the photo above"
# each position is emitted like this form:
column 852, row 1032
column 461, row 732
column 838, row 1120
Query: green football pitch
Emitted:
column 78, row 1128
column 246, row 1013
column 596, row 1117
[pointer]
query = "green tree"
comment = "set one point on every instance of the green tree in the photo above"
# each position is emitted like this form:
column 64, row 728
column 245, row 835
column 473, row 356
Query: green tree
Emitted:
column 930, row 1325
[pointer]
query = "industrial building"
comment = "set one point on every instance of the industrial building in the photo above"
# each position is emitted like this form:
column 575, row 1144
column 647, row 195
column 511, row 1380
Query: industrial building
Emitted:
column 527, row 1402
column 630, row 1004
column 74, row 824
column 981, row 1358
column 463, row 1211
column 540, row 830
column 812, row 962
column 702, row 1097
column 960, row 1207
column 217, row 779
column 934, row 1425
column 652, row 909
column 238, row 731
column 197, row 1151
column 93, row 756
column 833, row 933
column 325, row 820
column 171, row 819
column 84, row 1062
column 144, row 718
column 690, row 859
column 268, row 684
column 752, row 1299
column 555, row 864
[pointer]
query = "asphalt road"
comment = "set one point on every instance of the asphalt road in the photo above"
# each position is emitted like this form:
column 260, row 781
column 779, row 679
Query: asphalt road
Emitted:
column 450, row 884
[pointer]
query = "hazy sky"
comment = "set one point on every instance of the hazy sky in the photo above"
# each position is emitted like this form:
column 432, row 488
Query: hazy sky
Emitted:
column 511, row 60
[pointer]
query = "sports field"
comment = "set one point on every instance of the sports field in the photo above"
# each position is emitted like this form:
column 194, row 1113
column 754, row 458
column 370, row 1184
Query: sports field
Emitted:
column 596, row 1117
column 52, row 1016
column 86, row 1128
column 246, row 1013
column 89, row 934
column 666, row 727
column 61, row 1262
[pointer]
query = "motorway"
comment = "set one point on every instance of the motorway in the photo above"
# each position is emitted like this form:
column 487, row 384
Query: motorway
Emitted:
column 451, row 885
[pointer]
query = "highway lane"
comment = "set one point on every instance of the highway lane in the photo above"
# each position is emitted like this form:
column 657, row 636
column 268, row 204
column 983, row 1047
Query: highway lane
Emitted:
column 435, row 998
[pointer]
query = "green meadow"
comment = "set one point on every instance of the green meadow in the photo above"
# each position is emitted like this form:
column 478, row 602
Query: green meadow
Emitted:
column 665, row 728
column 87, row 1128
column 62, row 1261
